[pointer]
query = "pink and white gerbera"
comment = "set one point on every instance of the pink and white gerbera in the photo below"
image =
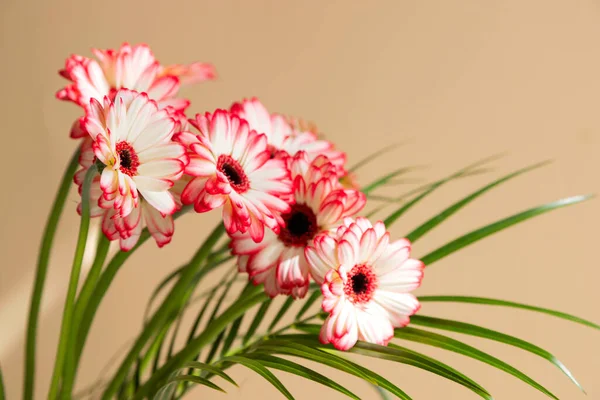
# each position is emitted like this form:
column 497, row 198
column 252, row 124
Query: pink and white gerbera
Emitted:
column 127, row 230
column 232, row 168
column 129, row 67
column 319, row 204
column 132, row 140
column 287, row 136
column 366, row 282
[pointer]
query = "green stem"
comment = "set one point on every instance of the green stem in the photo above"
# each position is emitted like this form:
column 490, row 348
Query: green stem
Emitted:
column 253, row 297
column 72, row 359
column 171, row 301
column 41, row 272
column 65, row 330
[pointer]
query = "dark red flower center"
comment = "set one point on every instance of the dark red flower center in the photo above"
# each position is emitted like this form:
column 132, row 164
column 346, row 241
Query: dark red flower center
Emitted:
column 300, row 226
column 234, row 172
column 128, row 159
column 361, row 283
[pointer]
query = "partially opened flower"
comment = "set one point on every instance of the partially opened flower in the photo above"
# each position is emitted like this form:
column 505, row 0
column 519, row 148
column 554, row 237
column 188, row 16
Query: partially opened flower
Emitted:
column 366, row 283
column 288, row 136
column 132, row 141
column 129, row 67
column 232, row 169
column 319, row 204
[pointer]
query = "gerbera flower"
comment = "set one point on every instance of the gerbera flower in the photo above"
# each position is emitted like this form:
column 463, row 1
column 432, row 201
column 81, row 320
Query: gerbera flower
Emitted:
column 319, row 204
column 288, row 136
column 129, row 67
column 132, row 140
column 366, row 282
column 127, row 230
column 232, row 168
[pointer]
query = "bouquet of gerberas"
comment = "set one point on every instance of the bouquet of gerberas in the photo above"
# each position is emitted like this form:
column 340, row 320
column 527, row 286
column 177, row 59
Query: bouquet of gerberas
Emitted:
column 292, row 226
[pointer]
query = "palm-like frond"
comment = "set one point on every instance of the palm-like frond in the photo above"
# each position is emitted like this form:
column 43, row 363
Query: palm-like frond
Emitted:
column 224, row 340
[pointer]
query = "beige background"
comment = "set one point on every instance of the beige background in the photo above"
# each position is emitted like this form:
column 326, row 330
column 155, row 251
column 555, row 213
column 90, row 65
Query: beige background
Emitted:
column 462, row 79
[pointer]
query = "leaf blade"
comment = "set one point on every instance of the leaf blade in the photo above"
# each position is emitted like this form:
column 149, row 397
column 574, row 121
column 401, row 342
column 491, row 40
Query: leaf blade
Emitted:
column 210, row 368
column 300, row 370
column 260, row 315
column 446, row 213
column 478, row 331
column 286, row 306
column 478, row 234
column 456, row 346
column 262, row 371
column 506, row 303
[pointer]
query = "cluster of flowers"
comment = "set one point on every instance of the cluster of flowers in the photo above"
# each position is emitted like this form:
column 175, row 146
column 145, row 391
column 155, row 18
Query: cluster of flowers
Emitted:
column 289, row 218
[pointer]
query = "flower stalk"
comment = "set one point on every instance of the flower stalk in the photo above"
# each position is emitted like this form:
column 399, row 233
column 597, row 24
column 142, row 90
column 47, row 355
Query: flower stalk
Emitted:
column 67, row 326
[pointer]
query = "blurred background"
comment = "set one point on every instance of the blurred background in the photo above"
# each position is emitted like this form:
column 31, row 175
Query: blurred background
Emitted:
column 458, row 80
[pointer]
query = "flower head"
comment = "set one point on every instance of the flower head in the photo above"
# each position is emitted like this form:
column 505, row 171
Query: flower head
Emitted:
column 365, row 280
column 287, row 136
column 232, row 168
column 318, row 204
column 132, row 141
column 127, row 229
column 129, row 67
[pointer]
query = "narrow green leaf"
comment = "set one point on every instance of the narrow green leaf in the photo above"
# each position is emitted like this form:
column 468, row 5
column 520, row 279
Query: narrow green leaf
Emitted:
column 299, row 370
column 373, row 156
column 2, row 390
column 382, row 393
column 219, row 339
column 314, row 296
column 286, row 306
column 492, row 228
column 288, row 347
column 400, row 211
column 385, row 179
column 194, row 379
column 262, row 371
column 232, row 335
column 447, row 343
column 474, row 330
column 405, row 356
column 41, row 272
column 445, row 214
column 209, row 368
column 168, row 279
column 505, row 303
column 260, row 315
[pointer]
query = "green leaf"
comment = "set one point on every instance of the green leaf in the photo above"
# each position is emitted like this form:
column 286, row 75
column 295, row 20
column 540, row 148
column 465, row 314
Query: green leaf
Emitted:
column 400, row 211
column 314, row 296
column 405, row 356
column 232, row 335
column 2, row 391
column 474, row 330
column 172, row 302
column 41, row 272
column 217, row 342
column 262, row 371
column 208, row 335
column 297, row 369
column 286, row 306
column 209, row 368
column 497, row 226
column 260, row 315
column 288, row 347
column 373, row 156
column 193, row 379
column 385, row 179
column 163, row 284
column 447, row 343
column 505, row 303
column 441, row 217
